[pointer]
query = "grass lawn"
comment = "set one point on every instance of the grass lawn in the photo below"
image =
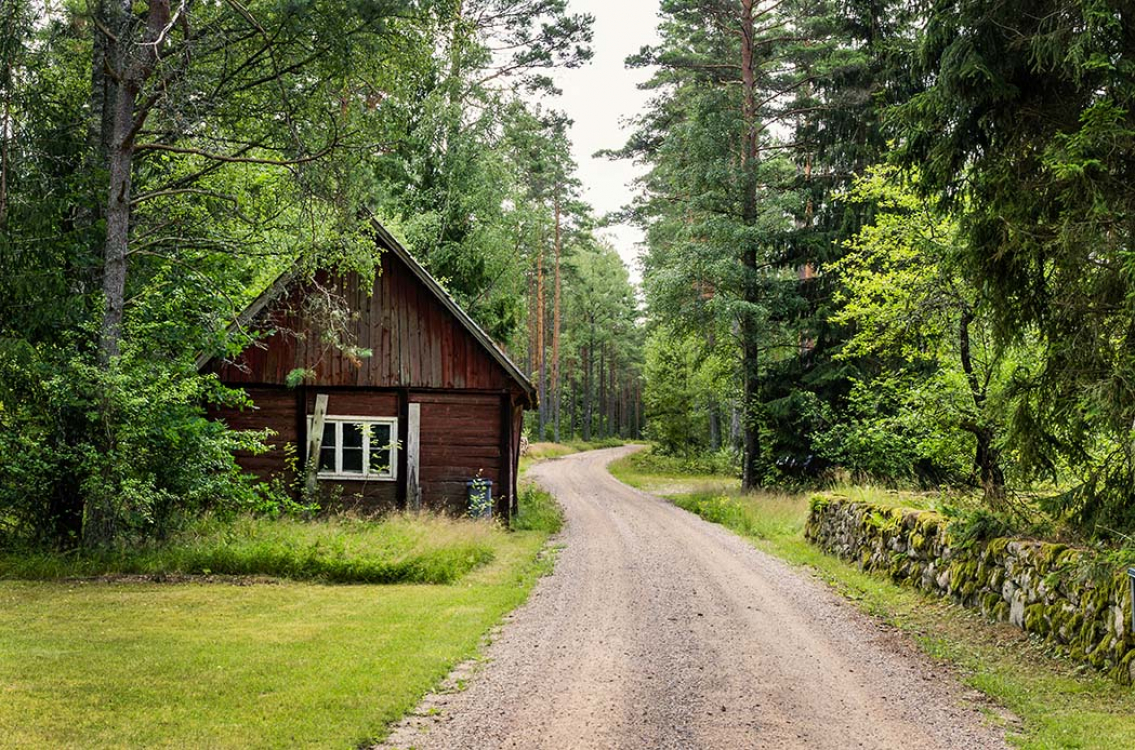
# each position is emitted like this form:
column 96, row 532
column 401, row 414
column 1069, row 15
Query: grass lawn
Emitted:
column 1058, row 704
column 344, row 549
column 274, row 664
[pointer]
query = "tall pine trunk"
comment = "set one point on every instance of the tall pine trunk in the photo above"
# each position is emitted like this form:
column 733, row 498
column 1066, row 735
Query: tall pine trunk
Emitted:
column 541, row 359
column 714, row 404
column 556, row 327
column 588, row 373
column 750, row 330
column 602, row 391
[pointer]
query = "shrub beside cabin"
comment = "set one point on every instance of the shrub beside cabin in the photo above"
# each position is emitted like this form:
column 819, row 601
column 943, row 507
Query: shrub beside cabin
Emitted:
column 438, row 404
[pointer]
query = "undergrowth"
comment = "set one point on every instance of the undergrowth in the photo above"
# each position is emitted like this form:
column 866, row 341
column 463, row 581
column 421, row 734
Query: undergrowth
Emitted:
column 398, row 549
column 722, row 463
column 538, row 511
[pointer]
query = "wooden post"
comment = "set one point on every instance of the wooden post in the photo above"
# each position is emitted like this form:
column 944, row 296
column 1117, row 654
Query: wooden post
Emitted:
column 315, row 442
column 413, row 456
column 506, row 486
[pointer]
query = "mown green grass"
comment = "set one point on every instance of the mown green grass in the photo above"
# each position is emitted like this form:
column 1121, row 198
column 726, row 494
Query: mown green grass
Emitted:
column 286, row 664
column 1056, row 704
column 398, row 549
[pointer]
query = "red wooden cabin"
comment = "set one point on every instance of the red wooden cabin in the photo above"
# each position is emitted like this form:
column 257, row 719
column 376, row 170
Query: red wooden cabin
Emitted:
column 436, row 405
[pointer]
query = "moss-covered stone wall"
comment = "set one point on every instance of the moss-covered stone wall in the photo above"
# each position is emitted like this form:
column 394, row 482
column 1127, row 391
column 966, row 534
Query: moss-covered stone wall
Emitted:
column 1063, row 595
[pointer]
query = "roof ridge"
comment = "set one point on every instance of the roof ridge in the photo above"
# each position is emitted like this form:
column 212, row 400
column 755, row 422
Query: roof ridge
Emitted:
column 390, row 243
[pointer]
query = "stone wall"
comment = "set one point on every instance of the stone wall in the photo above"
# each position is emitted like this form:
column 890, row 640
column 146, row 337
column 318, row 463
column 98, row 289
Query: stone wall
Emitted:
column 1065, row 596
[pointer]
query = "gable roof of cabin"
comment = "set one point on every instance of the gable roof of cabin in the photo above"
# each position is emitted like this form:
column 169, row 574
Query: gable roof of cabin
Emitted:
column 278, row 287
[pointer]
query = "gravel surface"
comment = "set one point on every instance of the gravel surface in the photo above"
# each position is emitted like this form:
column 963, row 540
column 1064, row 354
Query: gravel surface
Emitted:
column 660, row 630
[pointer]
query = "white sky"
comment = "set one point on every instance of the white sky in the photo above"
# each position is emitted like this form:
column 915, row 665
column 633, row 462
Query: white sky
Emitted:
column 598, row 97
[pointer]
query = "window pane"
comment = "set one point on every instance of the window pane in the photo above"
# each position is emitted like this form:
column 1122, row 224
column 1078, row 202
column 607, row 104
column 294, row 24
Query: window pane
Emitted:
column 327, row 448
column 353, row 460
column 352, row 436
column 380, row 449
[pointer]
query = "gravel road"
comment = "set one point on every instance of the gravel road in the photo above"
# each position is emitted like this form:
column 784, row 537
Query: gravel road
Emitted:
column 659, row 630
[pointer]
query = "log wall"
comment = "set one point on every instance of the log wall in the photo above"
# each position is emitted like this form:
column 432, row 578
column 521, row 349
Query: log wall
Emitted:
column 462, row 437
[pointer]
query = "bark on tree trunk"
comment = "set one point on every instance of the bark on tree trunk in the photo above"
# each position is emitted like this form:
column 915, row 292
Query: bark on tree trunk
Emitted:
column 556, row 327
column 749, row 329
column 133, row 62
column 541, row 360
column 612, row 396
column 589, row 363
column 117, row 223
column 602, row 391
column 5, row 129
column 714, row 425
column 531, row 322
column 714, row 404
column 986, row 456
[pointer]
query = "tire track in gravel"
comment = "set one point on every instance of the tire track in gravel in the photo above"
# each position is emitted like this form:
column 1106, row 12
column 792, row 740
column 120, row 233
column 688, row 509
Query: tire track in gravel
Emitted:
column 660, row 630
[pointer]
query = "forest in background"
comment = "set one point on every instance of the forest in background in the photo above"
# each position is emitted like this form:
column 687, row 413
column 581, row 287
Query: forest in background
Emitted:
column 162, row 163
column 891, row 241
column 884, row 240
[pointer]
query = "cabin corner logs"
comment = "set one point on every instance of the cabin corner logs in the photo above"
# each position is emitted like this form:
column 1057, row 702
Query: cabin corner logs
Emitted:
column 435, row 406
column 1066, row 596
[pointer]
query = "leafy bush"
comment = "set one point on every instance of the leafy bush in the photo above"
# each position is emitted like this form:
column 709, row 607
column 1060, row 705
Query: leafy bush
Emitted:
column 893, row 432
column 538, row 511
column 98, row 456
column 653, row 461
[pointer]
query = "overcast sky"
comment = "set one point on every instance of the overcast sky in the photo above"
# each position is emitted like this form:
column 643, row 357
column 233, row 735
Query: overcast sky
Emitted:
column 599, row 97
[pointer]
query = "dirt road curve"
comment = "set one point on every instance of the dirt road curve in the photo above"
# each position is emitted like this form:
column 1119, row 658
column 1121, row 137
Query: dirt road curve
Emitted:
column 659, row 630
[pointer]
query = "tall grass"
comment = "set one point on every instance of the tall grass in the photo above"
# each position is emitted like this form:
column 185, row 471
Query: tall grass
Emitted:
column 398, row 549
column 538, row 511
column 762, row 516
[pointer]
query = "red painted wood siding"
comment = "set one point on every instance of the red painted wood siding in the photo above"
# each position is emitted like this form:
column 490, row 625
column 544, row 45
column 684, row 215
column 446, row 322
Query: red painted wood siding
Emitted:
column 274, row 409
column 460, row 440
column 416, row 342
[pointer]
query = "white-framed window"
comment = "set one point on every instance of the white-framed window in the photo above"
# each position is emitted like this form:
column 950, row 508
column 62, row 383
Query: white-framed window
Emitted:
column 358, row 448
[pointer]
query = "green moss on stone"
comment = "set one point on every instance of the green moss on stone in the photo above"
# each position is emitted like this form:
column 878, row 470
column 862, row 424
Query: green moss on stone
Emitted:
column 996, row 547
column 1124, row 672
column 1035, row 620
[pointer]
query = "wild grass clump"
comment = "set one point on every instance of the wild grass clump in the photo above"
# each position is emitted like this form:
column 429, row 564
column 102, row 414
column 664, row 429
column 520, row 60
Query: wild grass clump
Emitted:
column 397, row 549
column 762, row 516
column 539, row 451
column 538, row 511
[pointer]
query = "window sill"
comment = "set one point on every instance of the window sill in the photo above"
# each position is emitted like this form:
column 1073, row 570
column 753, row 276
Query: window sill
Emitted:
column 355, row 477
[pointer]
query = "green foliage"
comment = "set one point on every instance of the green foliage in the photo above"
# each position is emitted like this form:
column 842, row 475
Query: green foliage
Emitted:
column 263, row 132
column 932, row 404
column 678, row 393
column 885, row 436
column 130, row 449
column 334, row 550
column 538, row 511
column 1026, row 127
column 653, row 461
